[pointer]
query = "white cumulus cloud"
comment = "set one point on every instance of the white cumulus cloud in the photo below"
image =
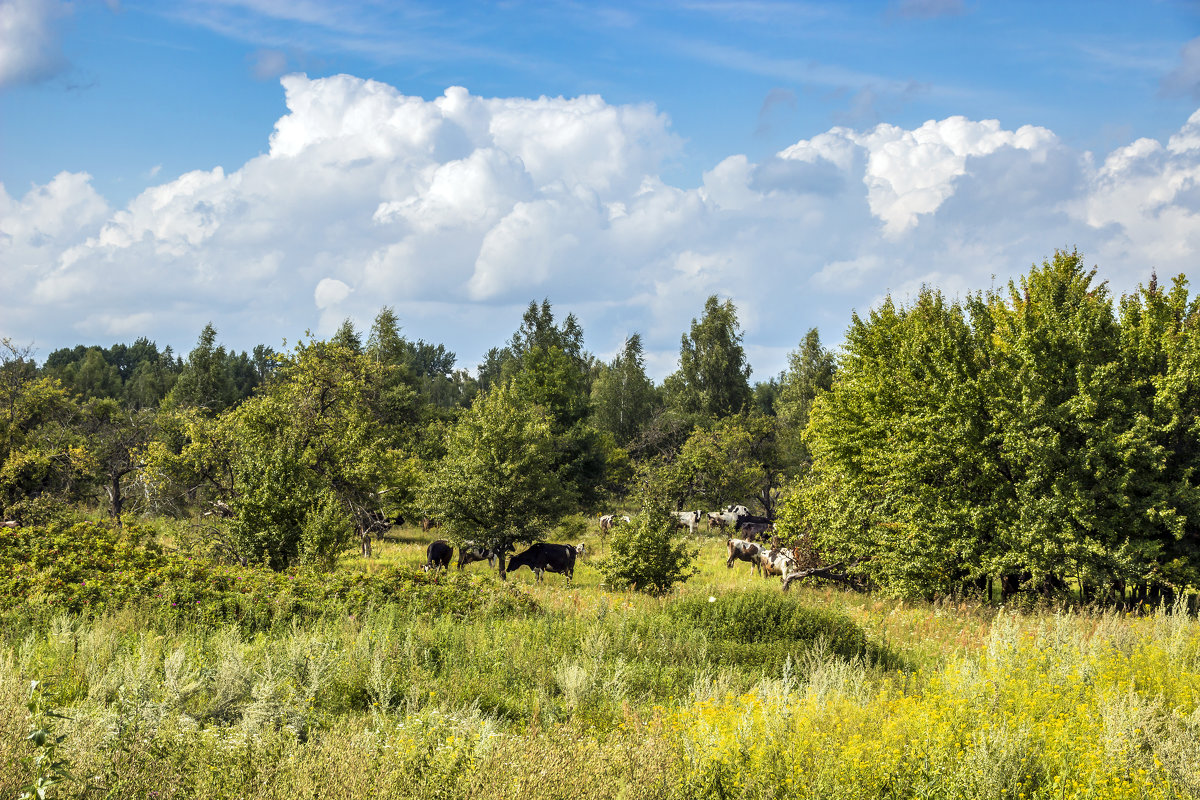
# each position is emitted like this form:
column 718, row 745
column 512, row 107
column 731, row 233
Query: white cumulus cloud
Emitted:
column 458, row 210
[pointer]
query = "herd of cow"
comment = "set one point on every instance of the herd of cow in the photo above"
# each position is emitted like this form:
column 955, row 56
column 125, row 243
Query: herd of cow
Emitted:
column 767, row 560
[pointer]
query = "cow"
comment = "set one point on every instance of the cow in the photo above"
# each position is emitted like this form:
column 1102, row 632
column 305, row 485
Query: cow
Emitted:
column 547, row 557
column 469, row 553
column 744, row 519
column 428, row 523
column 437, row 556
column 740, row 550
column 777, row 562
column 688, row 519
column 719, row 519
column 753, row 531
column 610, row 521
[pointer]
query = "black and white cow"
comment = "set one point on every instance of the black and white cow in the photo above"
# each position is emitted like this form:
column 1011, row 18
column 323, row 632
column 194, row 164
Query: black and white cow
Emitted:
column 547, row 557
column 688, row 519
column 469, row 553
column 438, row 555
column 777, row 562
column 749, row 519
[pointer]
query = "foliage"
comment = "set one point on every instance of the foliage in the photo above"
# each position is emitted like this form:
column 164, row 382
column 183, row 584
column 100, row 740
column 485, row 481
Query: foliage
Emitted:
column 303, row 466
column 1019, row 439
column 647, row 554
column 810, row 372
column 90, row 568
column 214, row 379
column 623, row 397
column 713, row 377
column 716, row 466
column 42, row 461
column 764, row 629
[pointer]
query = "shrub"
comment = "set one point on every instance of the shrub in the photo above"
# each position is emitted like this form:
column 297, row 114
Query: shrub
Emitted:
column 91, row 568
column 761, row 629
column 647, row 554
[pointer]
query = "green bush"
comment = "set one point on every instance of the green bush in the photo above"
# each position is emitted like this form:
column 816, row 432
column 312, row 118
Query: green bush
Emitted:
column 761, row 629
column 647, row 554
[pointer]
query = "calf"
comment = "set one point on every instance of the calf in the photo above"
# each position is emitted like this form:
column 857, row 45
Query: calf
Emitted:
column 740, row 550
column 438, row 555
column 719, row 519
column 547, row 557
column 469, row 553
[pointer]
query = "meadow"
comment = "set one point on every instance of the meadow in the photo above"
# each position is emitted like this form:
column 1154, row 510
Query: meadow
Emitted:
column 174, row 679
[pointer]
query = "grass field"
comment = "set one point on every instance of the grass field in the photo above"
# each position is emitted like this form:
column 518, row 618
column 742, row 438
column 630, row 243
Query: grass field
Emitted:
column 725, row 688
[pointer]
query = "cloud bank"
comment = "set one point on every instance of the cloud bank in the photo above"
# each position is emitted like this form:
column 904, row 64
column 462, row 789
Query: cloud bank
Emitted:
column 459, row 210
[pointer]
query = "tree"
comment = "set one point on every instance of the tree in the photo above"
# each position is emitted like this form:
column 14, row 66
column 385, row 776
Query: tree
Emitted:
column 903, row 473
column 497, row 484
column 810, row 372
column 302, row 466
column 114, row 437
column 42, row 462
column 623, row 397
column 205, row 381
column 715, row 467
column 713, row 376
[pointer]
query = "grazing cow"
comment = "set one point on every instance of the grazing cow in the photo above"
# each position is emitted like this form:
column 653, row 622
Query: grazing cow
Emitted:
column 688, row 519
column 777, row 562
column 438, row 555
column 428, row 523
column 610, row 521
column 547, row 557
column 740, row 550
column 720, row 519
column 469, row 553
column 753, row 531
column 744, row 519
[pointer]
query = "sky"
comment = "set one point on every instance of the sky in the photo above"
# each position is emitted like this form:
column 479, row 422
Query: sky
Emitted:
column 275, row 167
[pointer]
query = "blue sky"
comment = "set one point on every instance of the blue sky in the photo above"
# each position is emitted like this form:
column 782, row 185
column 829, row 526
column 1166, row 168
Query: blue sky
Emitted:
column 159, row 170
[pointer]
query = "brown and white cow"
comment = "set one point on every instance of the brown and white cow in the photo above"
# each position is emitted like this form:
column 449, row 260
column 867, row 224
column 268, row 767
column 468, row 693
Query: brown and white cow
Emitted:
column 741, row 550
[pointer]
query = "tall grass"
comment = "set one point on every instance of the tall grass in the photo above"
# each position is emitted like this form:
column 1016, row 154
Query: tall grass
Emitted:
column 589, row 693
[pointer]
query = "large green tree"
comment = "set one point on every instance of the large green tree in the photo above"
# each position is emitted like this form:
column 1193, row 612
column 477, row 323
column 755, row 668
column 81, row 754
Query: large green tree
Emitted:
column 302, row 467
column 497, row 484
column 713, row 379
column 623, row 397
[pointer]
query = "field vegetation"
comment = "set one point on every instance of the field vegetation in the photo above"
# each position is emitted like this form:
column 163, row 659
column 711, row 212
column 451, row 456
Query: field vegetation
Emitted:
column 393, row 682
